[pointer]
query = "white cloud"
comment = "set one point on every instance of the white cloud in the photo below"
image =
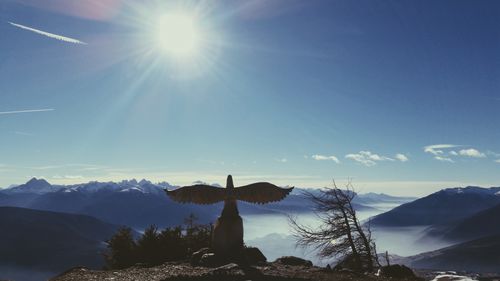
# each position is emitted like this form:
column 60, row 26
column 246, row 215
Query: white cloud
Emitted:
column 401, row 157
column 498, row 160
column 324, row 157
column 437, row 149
column 282, row 160
column 26, row 111
column 444, row 159
column 361, row 159
column 48, row 34
column 367, row 158
column 472, row 152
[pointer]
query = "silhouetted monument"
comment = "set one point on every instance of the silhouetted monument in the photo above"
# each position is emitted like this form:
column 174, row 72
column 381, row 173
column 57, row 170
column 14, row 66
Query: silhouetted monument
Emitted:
column 227, row 238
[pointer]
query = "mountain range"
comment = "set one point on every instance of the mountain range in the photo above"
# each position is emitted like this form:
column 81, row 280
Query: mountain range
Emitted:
column 141, row 203
column 82, row 216
column 466, row 217
column 441, row 207
column 134, row 203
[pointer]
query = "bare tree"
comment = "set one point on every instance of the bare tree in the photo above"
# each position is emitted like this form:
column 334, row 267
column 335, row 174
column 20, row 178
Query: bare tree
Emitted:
column 340, row 234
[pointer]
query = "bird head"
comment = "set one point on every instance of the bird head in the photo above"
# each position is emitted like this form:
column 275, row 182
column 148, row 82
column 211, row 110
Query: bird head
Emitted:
column 229, row 182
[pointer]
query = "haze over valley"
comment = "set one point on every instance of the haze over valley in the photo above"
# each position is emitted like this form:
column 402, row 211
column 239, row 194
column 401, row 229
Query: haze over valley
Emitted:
column 139, row 204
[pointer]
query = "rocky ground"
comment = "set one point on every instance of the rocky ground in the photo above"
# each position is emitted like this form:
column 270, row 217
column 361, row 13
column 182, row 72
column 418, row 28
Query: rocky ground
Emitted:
column 275, row 271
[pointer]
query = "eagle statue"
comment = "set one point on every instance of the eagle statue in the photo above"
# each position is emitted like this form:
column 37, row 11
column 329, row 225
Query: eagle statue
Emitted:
column 227, row 235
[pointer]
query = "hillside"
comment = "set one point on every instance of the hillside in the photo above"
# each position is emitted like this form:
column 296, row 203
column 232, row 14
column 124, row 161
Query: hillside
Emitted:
column 476, row 226
column 480, row 255
column 51, row 241
column 440, row 207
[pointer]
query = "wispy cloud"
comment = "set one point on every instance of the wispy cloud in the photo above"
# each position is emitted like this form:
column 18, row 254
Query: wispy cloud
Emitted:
column 76, row 167
column 471, row 152
column 444, row 159
column 324, row 157
column 367, row 158
column 48, row 34
column 497, row 161
column 443, row 152
column 401, row 157
column 437, row 149
column 282, row 160
column 26, row 111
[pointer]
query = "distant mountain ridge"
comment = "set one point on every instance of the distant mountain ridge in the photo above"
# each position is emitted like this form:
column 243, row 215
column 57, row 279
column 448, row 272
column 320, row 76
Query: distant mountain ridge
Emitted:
column 41, row 186
column 441, row 207
column 140, row 203
column 377, row 198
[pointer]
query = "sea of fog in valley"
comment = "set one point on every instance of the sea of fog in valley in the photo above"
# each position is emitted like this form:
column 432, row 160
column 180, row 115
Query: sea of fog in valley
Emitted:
column 274, row 237
column 272, row 234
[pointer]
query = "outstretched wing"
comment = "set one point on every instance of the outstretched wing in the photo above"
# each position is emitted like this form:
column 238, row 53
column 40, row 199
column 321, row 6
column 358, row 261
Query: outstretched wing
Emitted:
column 261, row 193
column 199, row 194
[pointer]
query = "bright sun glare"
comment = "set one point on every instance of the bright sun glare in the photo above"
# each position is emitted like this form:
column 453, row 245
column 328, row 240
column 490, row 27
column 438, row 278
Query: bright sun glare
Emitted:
column 178, row 35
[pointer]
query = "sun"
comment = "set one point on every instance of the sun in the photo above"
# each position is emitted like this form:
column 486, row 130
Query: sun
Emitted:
column 178, row 35
column 180, row 40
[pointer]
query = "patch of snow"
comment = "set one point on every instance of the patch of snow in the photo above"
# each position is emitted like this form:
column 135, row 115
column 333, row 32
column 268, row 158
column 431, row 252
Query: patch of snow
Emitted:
column 199, row 182
column 131, row 189
column 452, row 277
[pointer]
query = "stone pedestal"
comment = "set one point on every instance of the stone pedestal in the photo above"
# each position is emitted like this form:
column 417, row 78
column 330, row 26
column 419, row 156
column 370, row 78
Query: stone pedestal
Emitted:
column 227, row 237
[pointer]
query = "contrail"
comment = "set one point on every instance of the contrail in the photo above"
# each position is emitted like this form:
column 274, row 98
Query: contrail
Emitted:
column 26, row 111
column 48, row 34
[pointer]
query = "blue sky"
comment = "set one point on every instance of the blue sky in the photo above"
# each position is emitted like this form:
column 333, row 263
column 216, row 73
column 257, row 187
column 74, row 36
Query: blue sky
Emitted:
column 292, row 92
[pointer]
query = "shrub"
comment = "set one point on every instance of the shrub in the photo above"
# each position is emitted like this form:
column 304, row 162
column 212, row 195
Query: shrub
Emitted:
column 156, row 247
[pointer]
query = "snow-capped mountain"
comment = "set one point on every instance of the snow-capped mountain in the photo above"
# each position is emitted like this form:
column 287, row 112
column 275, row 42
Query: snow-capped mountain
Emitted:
column 34, row 185
column 132, row 185
column 473, row 190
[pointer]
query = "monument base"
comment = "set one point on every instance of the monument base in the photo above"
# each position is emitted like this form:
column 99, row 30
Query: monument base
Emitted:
column 227, row 236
